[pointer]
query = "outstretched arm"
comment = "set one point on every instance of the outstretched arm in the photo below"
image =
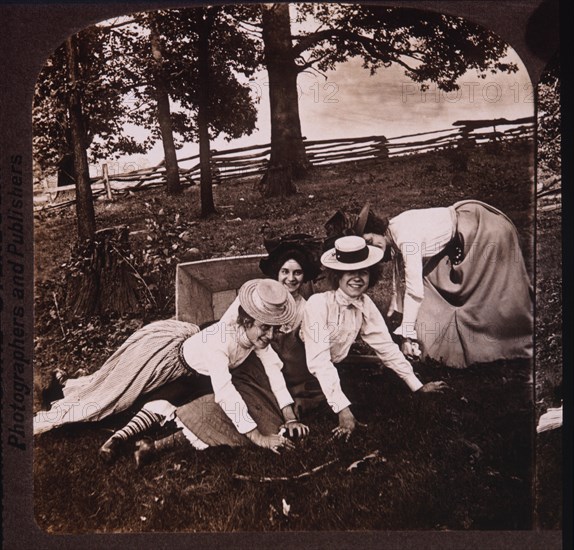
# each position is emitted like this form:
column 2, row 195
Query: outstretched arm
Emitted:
column 414, row 292
column 375, row 333
column 273, row 368
column 271, row 442
column 318, row 333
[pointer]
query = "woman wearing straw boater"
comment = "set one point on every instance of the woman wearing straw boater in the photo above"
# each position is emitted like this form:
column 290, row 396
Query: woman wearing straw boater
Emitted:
column 335, row 318
column 167, row 350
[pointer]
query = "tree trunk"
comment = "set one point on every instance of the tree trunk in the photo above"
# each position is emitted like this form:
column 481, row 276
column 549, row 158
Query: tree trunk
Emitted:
column 164, row 115
column 99, row 277
column 84, row 201
column 288, row 160
column 203, row 117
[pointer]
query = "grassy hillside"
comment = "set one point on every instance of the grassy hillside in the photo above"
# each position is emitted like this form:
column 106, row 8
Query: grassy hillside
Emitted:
column 457, row 461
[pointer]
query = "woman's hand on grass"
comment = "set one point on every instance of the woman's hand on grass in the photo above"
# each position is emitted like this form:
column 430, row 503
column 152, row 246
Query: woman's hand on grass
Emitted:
column 292, row 426
column 434, row 387
column 347, row 424
column 271, row 442
column 295, row 429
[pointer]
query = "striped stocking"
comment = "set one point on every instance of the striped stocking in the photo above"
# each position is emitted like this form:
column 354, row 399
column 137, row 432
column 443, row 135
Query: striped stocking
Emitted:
column 141, row 422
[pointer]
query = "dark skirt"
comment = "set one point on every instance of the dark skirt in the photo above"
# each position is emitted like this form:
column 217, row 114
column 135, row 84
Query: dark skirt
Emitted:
column 302, row 385
column 479, row 310
column 208, row 421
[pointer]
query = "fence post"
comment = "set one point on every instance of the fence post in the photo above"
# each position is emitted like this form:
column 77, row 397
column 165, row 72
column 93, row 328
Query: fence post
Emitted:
column 106, row 178
column 382, row 149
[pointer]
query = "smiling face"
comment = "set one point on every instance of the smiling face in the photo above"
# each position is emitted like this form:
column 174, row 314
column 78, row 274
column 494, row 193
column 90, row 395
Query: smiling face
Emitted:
column 259, row 334
column 291, row 275
column 354, row 283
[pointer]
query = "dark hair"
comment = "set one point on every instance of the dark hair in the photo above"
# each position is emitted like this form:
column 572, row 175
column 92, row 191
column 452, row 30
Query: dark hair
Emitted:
column 243, row 318
column 299, row 256
column 376, row 224
column 271, row 265
column 334, row 275
column 342, row 224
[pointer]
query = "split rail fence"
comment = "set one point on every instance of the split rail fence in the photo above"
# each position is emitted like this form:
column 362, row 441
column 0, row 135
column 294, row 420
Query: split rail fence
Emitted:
column 246, row 162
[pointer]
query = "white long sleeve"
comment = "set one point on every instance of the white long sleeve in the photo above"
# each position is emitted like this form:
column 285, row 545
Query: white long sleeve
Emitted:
column 330, row 328
column 213, row 354
column 418, row 234
column 375, row 332
column 273, row 368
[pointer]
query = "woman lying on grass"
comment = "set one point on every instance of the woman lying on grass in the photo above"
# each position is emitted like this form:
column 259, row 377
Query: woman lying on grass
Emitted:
column 167, row 350
column 333, row 320
column 468, row 297
column 292, row 261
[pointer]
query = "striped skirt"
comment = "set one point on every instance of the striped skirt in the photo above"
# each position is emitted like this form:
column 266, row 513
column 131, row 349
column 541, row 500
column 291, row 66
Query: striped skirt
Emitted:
column 147, row 360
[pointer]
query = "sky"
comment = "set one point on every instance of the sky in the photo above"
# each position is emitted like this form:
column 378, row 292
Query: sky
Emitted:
column 349, row 102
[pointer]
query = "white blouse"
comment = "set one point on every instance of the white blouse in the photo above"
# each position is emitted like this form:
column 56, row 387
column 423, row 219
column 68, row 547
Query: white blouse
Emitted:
column 417, row 234
column 224, row 346
column 331, row 323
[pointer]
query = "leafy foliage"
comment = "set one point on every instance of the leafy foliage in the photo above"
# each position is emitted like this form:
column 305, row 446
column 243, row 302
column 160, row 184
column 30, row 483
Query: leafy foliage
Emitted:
column 549, row 152
column 431, row 47
column 118, row 84
column 102, row 87
column 232, row 53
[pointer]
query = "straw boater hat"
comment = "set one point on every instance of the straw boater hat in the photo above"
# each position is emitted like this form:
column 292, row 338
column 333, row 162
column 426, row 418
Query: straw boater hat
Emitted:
column 351, row 253
column 268, row 302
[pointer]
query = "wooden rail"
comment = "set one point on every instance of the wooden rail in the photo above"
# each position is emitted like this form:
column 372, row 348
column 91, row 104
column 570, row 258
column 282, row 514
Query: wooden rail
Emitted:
column 244, row 162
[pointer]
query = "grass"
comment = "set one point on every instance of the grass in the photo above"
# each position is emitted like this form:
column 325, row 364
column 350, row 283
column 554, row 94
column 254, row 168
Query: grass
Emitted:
column 458, row 461
column 548, row 373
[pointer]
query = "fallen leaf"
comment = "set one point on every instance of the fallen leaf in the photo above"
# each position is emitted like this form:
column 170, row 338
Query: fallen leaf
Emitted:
column 375, row 455
column 354, row 465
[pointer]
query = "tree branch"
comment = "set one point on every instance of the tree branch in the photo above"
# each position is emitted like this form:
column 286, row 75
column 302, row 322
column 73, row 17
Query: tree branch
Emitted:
column 285, row 478
column 308, row 64
column 375, row 48
column 108, row 28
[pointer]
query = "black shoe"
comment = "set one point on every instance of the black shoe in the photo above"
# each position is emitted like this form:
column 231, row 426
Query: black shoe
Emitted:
column 145, row 450
column 110, row 450
column 54, row 390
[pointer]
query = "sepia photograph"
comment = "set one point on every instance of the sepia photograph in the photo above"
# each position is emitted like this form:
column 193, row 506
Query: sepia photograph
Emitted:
column 288, row 270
